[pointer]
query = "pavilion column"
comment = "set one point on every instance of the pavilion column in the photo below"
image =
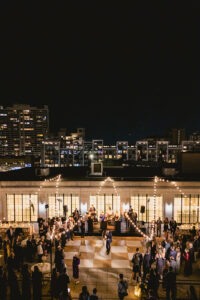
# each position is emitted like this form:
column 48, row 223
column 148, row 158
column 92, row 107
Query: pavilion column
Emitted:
column 168, row 204
column 84, row 201
column 3, row 209
column 125, row 199
column 42, row 200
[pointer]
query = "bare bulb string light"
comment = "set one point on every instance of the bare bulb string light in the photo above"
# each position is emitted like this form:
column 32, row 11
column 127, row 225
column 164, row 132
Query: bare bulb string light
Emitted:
column 137, row 228
column 109, row 179
column 56, row 178
column 174, row 184
column 156, row 180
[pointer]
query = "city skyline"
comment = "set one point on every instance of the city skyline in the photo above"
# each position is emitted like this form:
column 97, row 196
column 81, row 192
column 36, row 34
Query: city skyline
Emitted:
column 121, row 75
column 147, row 123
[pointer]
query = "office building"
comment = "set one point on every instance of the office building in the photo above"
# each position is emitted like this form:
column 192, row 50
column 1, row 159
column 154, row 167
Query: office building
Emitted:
column 23, row 129
column 176, row 135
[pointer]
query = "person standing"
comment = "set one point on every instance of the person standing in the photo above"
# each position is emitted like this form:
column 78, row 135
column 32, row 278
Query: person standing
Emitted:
column 26, row 283
column 191, row 254
column 172, row 225
column 192, row 293
column 40, row 251
column 103, row 225
column 153, row 250
column 122, row 287
column 11, row 263
column 75, row 265
column 130, row 214
column 160, row 261
column 172, row 252
column 94, row 295
column 108, row 241
column 146, row 263
column 137, row 262
column 178, row 259
column 85, row 294
column 171, row 284
column 135, row 217
column 186, row 257
column 54, row 284
column 90, row 225
column 10, row 234
column 196, row 248
column 37, row 284
column 3, row 284
column 153, row 282
column 159, row 223
column 82, row 228
column 59, row 259
column 18, row 253
column 14, row 287
column 63, row 281
column 6, row 248
column 29, row 249
column 166, row 224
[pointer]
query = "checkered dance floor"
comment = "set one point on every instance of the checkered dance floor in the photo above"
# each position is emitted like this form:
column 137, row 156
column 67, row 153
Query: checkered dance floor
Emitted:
column 92, row 252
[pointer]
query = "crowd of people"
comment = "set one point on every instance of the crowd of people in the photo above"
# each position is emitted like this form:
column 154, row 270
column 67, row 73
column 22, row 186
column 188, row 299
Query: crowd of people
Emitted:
column 161, row 263
column 164, row 258
column 20, row 252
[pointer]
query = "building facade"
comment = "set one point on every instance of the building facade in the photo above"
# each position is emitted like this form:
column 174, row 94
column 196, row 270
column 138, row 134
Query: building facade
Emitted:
column 24, row 201
column 22, row 130
column 74, row 151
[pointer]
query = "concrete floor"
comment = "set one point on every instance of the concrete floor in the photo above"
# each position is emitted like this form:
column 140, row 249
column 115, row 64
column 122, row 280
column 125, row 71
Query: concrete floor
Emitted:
column 97, row 269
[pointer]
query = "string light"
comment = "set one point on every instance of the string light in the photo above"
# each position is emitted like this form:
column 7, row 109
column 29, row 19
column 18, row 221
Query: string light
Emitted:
column 156, row 180
column 108, row 179
column 137, row 228
column 154, row 206
column 174, row 184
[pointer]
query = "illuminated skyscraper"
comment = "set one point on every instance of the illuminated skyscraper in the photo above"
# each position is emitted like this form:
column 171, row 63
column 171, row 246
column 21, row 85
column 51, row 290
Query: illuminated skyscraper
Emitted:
column 22, row 129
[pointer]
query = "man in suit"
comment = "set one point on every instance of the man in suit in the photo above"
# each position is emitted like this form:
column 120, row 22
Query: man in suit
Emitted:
column 171, row 284
column 108, row 237
column 137, row 263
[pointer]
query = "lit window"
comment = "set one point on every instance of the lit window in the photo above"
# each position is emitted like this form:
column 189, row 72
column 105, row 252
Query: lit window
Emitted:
column 22, row 208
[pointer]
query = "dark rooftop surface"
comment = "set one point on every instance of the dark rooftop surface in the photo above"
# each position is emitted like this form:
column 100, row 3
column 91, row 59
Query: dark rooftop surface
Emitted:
column 83, row 174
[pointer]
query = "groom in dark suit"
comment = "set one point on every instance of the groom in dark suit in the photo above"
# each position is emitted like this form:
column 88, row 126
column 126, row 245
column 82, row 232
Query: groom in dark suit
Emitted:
column 108, row 237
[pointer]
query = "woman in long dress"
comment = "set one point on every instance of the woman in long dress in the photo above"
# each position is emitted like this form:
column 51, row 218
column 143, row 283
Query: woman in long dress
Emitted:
column 75, row 265
column 178, row 259
column 160, row 262
column 186, row 257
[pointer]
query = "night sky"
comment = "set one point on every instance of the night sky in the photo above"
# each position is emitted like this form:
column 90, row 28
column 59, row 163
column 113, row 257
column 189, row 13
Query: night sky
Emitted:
column 123, row 73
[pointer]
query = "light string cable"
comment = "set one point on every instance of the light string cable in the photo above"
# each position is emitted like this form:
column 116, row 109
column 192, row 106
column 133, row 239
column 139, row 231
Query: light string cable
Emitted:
column 174, row 184
column 149, row 238
column 109, row 179
column 57, row 179
column 155, row 182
